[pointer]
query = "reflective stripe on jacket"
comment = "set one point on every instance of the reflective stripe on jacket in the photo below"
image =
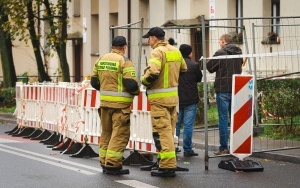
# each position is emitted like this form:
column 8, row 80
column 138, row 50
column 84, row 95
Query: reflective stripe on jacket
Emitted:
column 111, row 70
column 161, row 78
column 160, row 93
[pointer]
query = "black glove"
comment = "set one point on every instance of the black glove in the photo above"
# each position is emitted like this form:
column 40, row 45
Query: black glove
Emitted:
column 95, row 82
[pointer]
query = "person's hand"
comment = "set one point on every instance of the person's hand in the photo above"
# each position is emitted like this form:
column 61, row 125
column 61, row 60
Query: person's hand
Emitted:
column 201, row 58
column 148, row 67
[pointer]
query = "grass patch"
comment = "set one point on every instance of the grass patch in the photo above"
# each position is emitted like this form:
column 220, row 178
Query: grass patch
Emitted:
column 212, row 115
column 279, row 132
column 7, row 109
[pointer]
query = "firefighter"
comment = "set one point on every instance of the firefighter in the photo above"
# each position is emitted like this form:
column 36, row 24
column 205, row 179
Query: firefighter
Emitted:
column 114, row 75
column 161, row 80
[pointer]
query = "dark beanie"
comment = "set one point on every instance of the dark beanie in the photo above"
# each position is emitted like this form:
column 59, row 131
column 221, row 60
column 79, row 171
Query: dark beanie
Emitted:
column 171, row 41
column 185, row 50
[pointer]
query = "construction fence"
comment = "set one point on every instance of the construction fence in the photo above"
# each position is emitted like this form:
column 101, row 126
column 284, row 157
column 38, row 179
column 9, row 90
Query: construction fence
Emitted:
column 65, row 115
column 270, row 48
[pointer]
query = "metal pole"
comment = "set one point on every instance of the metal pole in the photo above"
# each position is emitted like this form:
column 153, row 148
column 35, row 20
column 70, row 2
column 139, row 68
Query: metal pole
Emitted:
column 111, row 35
column 247, row 49
column 205, row 92
column 255, row 76
column 140, row 50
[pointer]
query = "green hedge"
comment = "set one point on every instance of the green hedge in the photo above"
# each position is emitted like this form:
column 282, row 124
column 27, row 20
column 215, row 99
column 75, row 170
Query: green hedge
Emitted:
column 9, row 95
column 281, row 98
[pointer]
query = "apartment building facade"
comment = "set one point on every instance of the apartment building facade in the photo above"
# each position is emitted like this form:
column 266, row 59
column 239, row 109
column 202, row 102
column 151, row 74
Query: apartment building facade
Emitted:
column 91, row 22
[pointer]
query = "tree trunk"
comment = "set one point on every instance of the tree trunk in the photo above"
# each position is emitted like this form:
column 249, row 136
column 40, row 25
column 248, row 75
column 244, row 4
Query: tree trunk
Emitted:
column 43, row 76
column 8, row 68
column 63, row 43
column 61, row 46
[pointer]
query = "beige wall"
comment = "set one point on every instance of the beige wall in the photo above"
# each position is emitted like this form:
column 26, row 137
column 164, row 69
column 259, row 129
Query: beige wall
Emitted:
column 289, row 8
column 96, row 17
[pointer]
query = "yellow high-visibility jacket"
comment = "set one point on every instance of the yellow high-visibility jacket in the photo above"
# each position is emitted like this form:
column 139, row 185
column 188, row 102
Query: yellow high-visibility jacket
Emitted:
column 117, row 78
column 161, row 76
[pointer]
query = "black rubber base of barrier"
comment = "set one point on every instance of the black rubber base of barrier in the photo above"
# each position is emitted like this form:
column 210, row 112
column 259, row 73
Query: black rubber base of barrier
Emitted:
column 45, row 134
column 73, row 149
column 68, row 146
column 55, row 141
column 150, row 167
column 63, row 145
column 24, row 132
column 85, row 151
column 35, row 133
column 53, row 135
column 13, row 130
column 238, row 165
column 135, row 158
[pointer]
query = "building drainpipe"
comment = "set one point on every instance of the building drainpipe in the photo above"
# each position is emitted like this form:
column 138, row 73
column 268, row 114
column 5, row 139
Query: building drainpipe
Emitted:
column 129, row 31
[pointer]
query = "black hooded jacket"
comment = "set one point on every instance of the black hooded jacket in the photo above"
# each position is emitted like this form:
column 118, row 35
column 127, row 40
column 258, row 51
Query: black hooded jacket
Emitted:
column 225, row 68
column 187, row 85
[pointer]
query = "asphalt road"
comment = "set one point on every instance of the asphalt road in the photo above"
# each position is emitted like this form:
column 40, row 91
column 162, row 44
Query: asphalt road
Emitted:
column 30, row 164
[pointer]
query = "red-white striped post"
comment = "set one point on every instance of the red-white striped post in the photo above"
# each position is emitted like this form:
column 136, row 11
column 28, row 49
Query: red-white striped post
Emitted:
column 141, row 102
column 242, row 116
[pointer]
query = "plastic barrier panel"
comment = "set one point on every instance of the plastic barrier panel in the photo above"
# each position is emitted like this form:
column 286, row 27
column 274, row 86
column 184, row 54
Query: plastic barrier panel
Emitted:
column 242, row 116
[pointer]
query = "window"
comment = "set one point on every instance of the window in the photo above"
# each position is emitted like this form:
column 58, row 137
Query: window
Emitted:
column 239, row 14
column 237, row 35
column 76, row 8
column 275, row 15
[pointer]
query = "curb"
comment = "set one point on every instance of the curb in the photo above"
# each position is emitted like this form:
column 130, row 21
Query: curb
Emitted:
column 8, row 121
column 261, row 155
column 277, row 157
column 8, row 118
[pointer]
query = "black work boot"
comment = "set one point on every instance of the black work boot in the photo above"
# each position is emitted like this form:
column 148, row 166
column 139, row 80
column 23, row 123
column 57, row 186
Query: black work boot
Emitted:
column 115, row 171
column 103, row 169
column 163, row 172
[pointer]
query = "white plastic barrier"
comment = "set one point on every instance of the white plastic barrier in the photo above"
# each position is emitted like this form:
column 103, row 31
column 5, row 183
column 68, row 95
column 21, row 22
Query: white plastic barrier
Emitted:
column 68, row 109
column 90, row 130
column 141, row 128
column 19, row 112
column 32, row 106
column 49, row 107
column 71, row 109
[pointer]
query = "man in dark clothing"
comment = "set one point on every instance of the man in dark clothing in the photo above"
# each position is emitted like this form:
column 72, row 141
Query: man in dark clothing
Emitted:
column 188, row 100
column 224, row 69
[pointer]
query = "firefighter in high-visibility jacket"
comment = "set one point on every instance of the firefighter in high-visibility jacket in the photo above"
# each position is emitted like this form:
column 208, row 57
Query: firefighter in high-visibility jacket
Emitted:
column 114, row 75
column 161, row 80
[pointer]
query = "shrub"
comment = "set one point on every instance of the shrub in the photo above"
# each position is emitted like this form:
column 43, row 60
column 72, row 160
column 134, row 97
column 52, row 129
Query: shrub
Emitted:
column 211, row 99
column 8, row 97
column 281, row 98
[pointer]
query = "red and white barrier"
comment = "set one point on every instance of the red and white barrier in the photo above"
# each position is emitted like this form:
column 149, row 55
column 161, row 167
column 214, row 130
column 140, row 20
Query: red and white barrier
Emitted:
column 140, row 102
column 19, row 112
column 49, row 107
column 242, row 116
column 90, row 130
column 71, row 109
column 141, row 128
column 32, row 106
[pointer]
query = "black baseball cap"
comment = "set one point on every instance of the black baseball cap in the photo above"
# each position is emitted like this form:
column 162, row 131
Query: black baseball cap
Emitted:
column 155, row 31
column 119, row 41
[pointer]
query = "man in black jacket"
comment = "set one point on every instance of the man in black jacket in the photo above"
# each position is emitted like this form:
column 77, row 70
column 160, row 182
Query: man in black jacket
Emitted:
column 188, row 100
column 224, row 69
